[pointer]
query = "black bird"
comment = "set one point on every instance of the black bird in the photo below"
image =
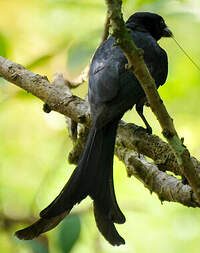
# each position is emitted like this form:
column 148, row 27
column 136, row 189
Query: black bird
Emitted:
column 113, row 90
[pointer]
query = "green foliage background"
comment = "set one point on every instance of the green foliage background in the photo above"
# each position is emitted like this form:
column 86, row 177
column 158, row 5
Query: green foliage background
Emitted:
column 61, row 35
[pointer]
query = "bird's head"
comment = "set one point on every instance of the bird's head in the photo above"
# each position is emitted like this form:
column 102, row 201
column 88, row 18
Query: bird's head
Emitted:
column 150, row 22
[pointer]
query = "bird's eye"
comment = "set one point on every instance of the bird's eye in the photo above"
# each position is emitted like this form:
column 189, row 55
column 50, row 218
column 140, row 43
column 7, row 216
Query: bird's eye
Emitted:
column 162, row 22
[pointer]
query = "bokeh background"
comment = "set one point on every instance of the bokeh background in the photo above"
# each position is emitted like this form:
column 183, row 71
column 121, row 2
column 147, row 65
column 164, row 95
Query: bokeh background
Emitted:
column 47, row 36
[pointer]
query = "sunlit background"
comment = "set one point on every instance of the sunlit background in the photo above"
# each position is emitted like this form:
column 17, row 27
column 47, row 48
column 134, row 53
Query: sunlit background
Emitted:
column 48, row 36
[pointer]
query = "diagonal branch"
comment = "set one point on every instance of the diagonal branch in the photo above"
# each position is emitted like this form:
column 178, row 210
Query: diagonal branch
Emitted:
column 137, row 65
column 167, row 187
column 57, row 98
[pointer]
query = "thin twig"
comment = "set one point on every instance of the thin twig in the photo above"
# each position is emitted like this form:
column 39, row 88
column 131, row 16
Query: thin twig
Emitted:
column 81, row 79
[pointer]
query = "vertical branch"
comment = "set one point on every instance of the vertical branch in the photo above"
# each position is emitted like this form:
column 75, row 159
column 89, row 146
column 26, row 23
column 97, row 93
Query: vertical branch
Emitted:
column 106, row 29
column 137, row 65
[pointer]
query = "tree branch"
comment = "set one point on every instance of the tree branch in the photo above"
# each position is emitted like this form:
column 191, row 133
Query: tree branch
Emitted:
column 167, row 187
column 137, row 65
column 106, row 28
column 57, row 98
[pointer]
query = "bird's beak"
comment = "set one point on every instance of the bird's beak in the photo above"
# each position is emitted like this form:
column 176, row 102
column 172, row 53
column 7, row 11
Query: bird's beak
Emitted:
column 167, row 32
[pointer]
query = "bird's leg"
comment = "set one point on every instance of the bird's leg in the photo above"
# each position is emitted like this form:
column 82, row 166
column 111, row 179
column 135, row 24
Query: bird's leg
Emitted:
column 139, row 109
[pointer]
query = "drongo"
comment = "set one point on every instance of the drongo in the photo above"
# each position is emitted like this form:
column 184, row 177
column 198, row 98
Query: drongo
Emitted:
column 113, row 89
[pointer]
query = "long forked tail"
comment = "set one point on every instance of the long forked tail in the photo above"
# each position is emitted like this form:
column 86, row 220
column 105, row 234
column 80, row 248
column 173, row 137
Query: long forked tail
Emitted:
column 94, row 177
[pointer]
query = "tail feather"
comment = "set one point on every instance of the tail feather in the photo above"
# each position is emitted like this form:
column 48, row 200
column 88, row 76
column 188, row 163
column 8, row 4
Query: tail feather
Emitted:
column 94, row 177
column 40, row 226
column 103, row 190
column 107, row 228
column 78, row 186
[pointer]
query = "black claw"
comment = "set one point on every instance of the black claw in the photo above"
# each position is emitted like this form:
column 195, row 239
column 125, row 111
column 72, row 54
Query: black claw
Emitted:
column 142, row 129
column 46, row 108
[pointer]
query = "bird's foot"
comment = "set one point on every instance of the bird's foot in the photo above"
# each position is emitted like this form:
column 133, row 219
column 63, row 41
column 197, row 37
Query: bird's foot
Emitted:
column 142, row 129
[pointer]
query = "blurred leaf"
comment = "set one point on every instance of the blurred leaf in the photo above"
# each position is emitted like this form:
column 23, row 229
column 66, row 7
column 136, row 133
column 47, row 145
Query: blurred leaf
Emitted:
column 37, row 246
column 142, row 2
column 3, row 45
column 68, row 233
column 75, row 3
column 79, row 55
column 39, row 61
